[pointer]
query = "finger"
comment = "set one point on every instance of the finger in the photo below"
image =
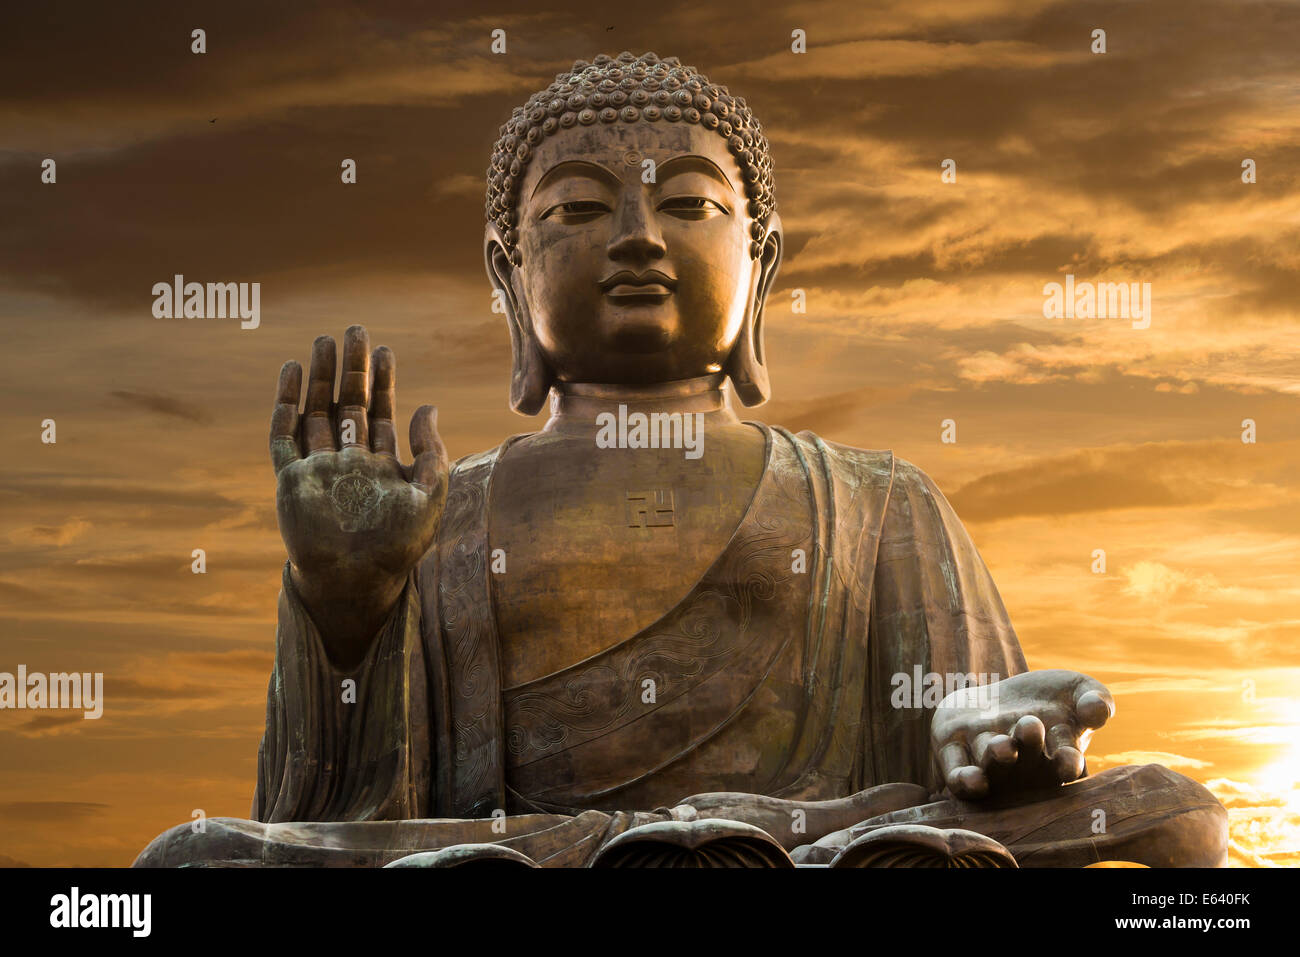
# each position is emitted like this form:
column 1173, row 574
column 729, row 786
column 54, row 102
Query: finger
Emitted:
column 1063, row 752
column 426, row 445
column 1094, row 708
column 354, row 389
column 1029, row 735
column 284, row 418
column 383, row 401
column 991, row 748
column 963, row 779
column 317, row 430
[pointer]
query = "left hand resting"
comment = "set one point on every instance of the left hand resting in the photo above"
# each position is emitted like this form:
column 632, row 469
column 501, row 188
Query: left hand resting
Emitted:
column 1025, row 732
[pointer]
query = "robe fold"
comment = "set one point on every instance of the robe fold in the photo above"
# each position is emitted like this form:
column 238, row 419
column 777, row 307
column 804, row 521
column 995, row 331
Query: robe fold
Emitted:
column 772, row 675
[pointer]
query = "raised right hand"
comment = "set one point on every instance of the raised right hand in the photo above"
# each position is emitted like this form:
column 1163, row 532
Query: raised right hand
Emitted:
column 354, row 520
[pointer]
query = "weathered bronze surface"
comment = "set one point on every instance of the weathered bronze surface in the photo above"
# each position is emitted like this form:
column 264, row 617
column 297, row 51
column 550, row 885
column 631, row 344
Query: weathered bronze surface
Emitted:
column 1143, row 814
column 551, row 643
column 919, row 845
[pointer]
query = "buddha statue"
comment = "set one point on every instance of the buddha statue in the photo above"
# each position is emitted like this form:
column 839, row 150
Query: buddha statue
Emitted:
column 649, row 632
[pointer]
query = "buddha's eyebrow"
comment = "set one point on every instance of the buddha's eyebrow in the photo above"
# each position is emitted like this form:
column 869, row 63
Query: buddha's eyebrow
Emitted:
column 571, row 168
column 694, row 163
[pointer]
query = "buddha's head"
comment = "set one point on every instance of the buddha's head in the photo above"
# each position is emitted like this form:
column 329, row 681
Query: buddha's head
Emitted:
column 632, row 231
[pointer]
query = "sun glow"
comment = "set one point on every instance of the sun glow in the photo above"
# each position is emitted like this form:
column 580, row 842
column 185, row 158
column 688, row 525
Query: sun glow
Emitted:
column 1283, row 775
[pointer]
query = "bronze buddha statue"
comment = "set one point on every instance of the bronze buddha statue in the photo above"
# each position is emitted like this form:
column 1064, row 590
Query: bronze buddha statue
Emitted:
column 543, row 650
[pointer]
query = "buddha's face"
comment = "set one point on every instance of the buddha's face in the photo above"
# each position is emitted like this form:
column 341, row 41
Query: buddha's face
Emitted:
column 628, row 277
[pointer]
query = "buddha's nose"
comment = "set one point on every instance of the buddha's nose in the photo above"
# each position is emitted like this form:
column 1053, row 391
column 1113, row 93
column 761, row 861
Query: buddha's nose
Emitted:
column 636, row 233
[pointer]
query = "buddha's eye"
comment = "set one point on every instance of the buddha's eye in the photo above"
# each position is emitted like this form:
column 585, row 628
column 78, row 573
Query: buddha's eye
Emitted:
column 576, row 211
column 691, row 207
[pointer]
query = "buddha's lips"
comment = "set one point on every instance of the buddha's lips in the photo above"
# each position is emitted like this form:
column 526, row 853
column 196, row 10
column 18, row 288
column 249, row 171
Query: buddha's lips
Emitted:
column 649, row 284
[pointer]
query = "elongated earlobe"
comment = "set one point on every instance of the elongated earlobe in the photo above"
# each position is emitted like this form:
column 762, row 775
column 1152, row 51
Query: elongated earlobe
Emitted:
column 530, row 377
column 746, row 365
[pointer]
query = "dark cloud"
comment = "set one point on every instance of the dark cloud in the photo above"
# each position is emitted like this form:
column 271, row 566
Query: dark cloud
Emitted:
column 34, row 812
column 258, row 662
column 109, row 491
column 132, row 689
column 42, row 723
column 57, row 534
column 416, row 100
column 161, row 567
column 829, row 414
column 1154, row 476
column 14, row 593
column 163, row 405
column 466, row 352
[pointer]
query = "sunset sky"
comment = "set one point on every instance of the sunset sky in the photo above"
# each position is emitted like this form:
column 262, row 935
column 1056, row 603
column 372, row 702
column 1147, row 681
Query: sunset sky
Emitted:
column 924, row 303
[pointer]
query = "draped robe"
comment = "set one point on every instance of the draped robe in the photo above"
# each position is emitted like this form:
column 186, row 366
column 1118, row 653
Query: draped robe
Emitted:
column 768, row 677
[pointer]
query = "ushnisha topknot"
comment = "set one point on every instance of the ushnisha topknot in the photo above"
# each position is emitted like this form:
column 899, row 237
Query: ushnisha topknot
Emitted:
column 625, row 89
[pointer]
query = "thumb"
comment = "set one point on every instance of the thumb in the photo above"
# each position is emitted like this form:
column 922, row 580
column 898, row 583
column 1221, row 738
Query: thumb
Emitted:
column 1094, row 707
column 426, row 445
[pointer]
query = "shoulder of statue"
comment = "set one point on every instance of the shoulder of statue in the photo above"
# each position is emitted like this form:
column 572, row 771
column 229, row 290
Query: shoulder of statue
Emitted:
column 876, row 460
column 488, row 458
column 905, row 480
column 914, row 485
column 909, row 473
column 911, row 479
column 903, row 476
